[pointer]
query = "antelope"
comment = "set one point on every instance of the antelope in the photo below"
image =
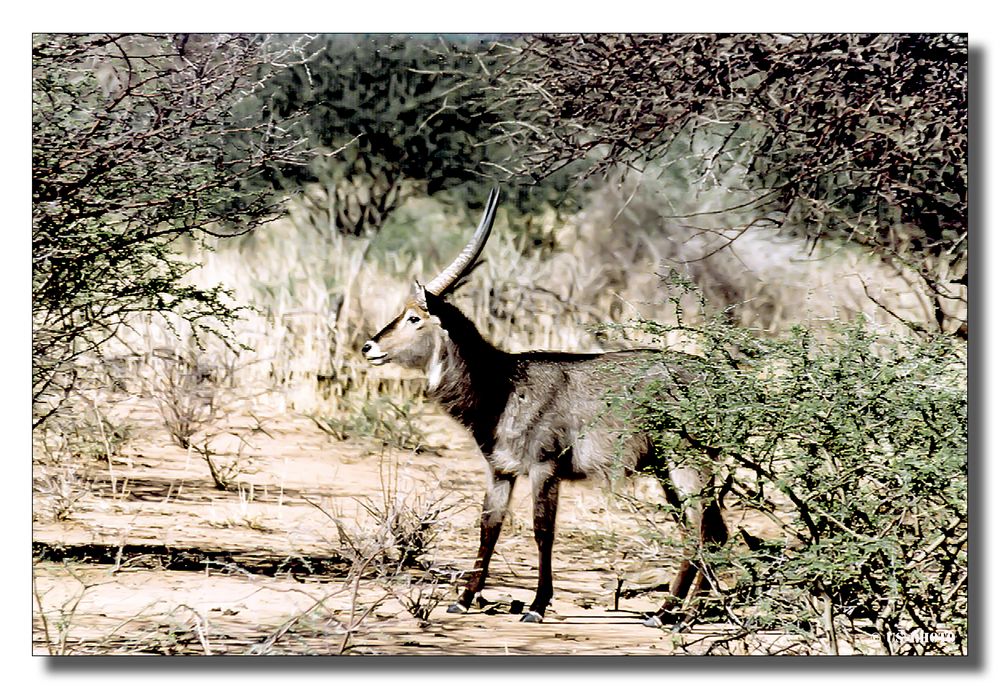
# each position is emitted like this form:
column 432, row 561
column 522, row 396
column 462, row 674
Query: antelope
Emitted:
column 543, row 415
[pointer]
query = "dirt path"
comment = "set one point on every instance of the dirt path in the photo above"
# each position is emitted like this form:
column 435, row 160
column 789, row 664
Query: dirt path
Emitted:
column 163, row 562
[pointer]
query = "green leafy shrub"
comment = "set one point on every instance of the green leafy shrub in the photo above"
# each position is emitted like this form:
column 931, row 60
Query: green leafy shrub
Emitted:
column 855, row 448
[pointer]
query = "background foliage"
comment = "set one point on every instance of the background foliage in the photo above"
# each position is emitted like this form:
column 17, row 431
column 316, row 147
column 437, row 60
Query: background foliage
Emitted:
column 392, row 116
column 851, row 136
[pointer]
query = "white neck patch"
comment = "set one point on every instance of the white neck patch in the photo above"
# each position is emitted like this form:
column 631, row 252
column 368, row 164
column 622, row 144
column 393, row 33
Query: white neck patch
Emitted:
column 434, row 373
column 435, row 370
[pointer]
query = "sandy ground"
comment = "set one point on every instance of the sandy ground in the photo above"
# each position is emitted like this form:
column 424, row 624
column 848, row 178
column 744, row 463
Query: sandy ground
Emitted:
column 163, row 562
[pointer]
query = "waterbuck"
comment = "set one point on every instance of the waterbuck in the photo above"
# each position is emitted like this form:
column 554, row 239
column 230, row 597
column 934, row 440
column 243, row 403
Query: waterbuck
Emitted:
column 544, row 415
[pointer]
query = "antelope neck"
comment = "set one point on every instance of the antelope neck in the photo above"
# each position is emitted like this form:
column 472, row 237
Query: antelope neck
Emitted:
column 470, row 378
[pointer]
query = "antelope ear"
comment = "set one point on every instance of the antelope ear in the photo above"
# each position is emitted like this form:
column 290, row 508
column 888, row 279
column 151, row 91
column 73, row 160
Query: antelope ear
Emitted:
column 419, row 294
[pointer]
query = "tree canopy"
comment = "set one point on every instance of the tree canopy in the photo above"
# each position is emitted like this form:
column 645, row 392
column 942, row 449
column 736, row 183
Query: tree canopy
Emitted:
column 131, row 149
column 856, row 137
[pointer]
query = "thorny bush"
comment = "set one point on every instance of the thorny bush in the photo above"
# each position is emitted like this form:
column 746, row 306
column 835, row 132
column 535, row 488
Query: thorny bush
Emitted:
column 860, row 137
column 855, row 448
column 132, row 151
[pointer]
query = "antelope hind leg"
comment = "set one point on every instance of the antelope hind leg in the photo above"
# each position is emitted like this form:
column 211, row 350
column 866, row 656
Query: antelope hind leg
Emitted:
column 546, row 500
column 670, row 611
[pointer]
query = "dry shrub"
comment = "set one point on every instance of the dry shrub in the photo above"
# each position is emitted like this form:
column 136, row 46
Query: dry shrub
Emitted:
column 82, row 436
column 763, row 276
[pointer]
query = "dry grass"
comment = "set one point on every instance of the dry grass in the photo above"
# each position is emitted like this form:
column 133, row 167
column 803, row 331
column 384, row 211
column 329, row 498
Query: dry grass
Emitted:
column 318, row 295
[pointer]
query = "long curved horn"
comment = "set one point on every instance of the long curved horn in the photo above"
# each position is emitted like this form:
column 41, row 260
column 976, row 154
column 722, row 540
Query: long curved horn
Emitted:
column 447, row 277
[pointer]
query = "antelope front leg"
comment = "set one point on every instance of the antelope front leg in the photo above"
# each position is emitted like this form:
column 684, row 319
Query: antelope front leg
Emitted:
column 546, row 497
column 494, row 508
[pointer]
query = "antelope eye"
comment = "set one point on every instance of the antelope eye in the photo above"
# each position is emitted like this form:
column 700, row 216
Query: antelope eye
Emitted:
column 413, row 319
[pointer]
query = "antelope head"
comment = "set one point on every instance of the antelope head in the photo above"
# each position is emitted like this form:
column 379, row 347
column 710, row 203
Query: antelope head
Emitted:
column 414, row 338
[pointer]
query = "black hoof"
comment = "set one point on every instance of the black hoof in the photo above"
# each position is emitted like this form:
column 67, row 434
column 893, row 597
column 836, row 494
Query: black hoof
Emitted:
column 457, row 609
column 531, row 616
